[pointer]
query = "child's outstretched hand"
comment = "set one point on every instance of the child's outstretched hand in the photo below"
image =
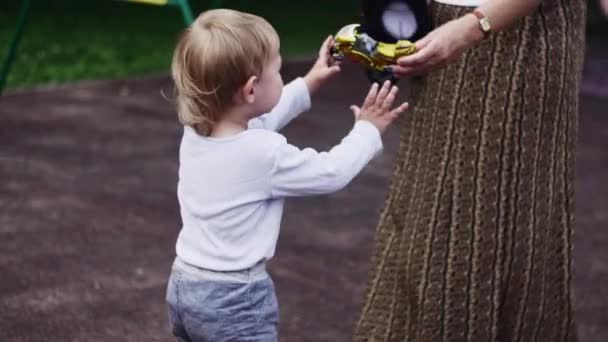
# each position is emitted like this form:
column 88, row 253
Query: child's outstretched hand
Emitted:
column 377, row 106
column 323, row 69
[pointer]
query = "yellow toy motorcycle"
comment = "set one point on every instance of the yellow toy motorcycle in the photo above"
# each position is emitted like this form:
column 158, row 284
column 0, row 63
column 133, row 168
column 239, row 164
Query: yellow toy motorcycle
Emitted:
column 374, row 55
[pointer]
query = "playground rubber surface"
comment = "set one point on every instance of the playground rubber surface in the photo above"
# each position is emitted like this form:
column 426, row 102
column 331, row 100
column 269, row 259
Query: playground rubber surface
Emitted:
column 89, row 215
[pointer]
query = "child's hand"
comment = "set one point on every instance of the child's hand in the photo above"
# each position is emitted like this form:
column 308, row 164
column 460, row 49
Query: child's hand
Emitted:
column 377, row 106
column 322, row 70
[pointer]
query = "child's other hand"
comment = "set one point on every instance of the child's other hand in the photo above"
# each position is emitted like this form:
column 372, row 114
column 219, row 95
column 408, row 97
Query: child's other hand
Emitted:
column 377, row 106
column 323, row 69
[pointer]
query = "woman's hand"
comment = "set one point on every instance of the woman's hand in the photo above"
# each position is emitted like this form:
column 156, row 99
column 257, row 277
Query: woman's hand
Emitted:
column 441, row 46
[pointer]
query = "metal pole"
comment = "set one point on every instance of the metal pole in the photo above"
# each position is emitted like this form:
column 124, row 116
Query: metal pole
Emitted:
column 187, row 11
column 184, row 6
column 12, row 50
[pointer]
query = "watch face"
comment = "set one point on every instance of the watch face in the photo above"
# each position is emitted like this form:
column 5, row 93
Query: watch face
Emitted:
column 485, row 25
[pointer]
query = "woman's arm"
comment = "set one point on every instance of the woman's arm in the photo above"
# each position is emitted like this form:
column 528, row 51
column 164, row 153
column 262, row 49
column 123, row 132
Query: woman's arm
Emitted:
column 504, row 13
column 447, row 42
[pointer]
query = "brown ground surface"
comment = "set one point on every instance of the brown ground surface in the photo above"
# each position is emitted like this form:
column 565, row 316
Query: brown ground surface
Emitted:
column 88, row 214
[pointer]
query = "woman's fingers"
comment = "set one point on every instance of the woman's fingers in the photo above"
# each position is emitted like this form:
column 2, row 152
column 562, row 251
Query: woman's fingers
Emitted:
column 423, row 42
column 417, row 58
column 400, row 71
column 412, row 70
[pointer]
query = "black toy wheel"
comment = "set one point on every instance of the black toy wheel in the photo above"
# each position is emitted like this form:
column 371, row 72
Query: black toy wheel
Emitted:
column 380, row 77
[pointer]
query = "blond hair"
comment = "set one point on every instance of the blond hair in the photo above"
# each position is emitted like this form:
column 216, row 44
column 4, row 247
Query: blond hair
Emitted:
column 213, row 58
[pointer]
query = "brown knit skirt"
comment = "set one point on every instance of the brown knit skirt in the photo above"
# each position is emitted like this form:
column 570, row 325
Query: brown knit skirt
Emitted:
column 475, row 241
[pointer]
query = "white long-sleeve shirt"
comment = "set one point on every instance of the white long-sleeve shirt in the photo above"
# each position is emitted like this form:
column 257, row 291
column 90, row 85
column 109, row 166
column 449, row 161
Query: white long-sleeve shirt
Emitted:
column 231, row 190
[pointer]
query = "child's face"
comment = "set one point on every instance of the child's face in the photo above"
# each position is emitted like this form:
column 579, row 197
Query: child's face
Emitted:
column 270, row 85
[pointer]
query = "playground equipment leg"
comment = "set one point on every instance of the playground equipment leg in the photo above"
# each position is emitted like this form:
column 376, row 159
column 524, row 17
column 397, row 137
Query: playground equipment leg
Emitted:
column 12, row 50
column 184, row 6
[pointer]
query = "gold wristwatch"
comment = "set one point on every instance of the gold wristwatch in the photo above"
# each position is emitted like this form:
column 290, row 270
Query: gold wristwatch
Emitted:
column 484, row 23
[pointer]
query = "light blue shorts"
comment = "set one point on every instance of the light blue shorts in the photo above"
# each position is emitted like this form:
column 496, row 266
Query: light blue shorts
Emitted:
column 212, row 306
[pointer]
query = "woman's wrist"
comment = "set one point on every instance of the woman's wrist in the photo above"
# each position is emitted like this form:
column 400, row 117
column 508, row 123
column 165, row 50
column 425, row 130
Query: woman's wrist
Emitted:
column 473, row 33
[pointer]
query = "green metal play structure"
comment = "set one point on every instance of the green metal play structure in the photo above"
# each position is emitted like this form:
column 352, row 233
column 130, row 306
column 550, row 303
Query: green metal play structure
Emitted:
column 183, row 5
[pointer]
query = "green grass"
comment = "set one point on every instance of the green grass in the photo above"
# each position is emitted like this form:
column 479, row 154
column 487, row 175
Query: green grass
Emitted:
column 67, row 40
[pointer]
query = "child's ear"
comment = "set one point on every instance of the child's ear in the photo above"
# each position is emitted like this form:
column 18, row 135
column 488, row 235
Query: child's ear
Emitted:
column 248, row 90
